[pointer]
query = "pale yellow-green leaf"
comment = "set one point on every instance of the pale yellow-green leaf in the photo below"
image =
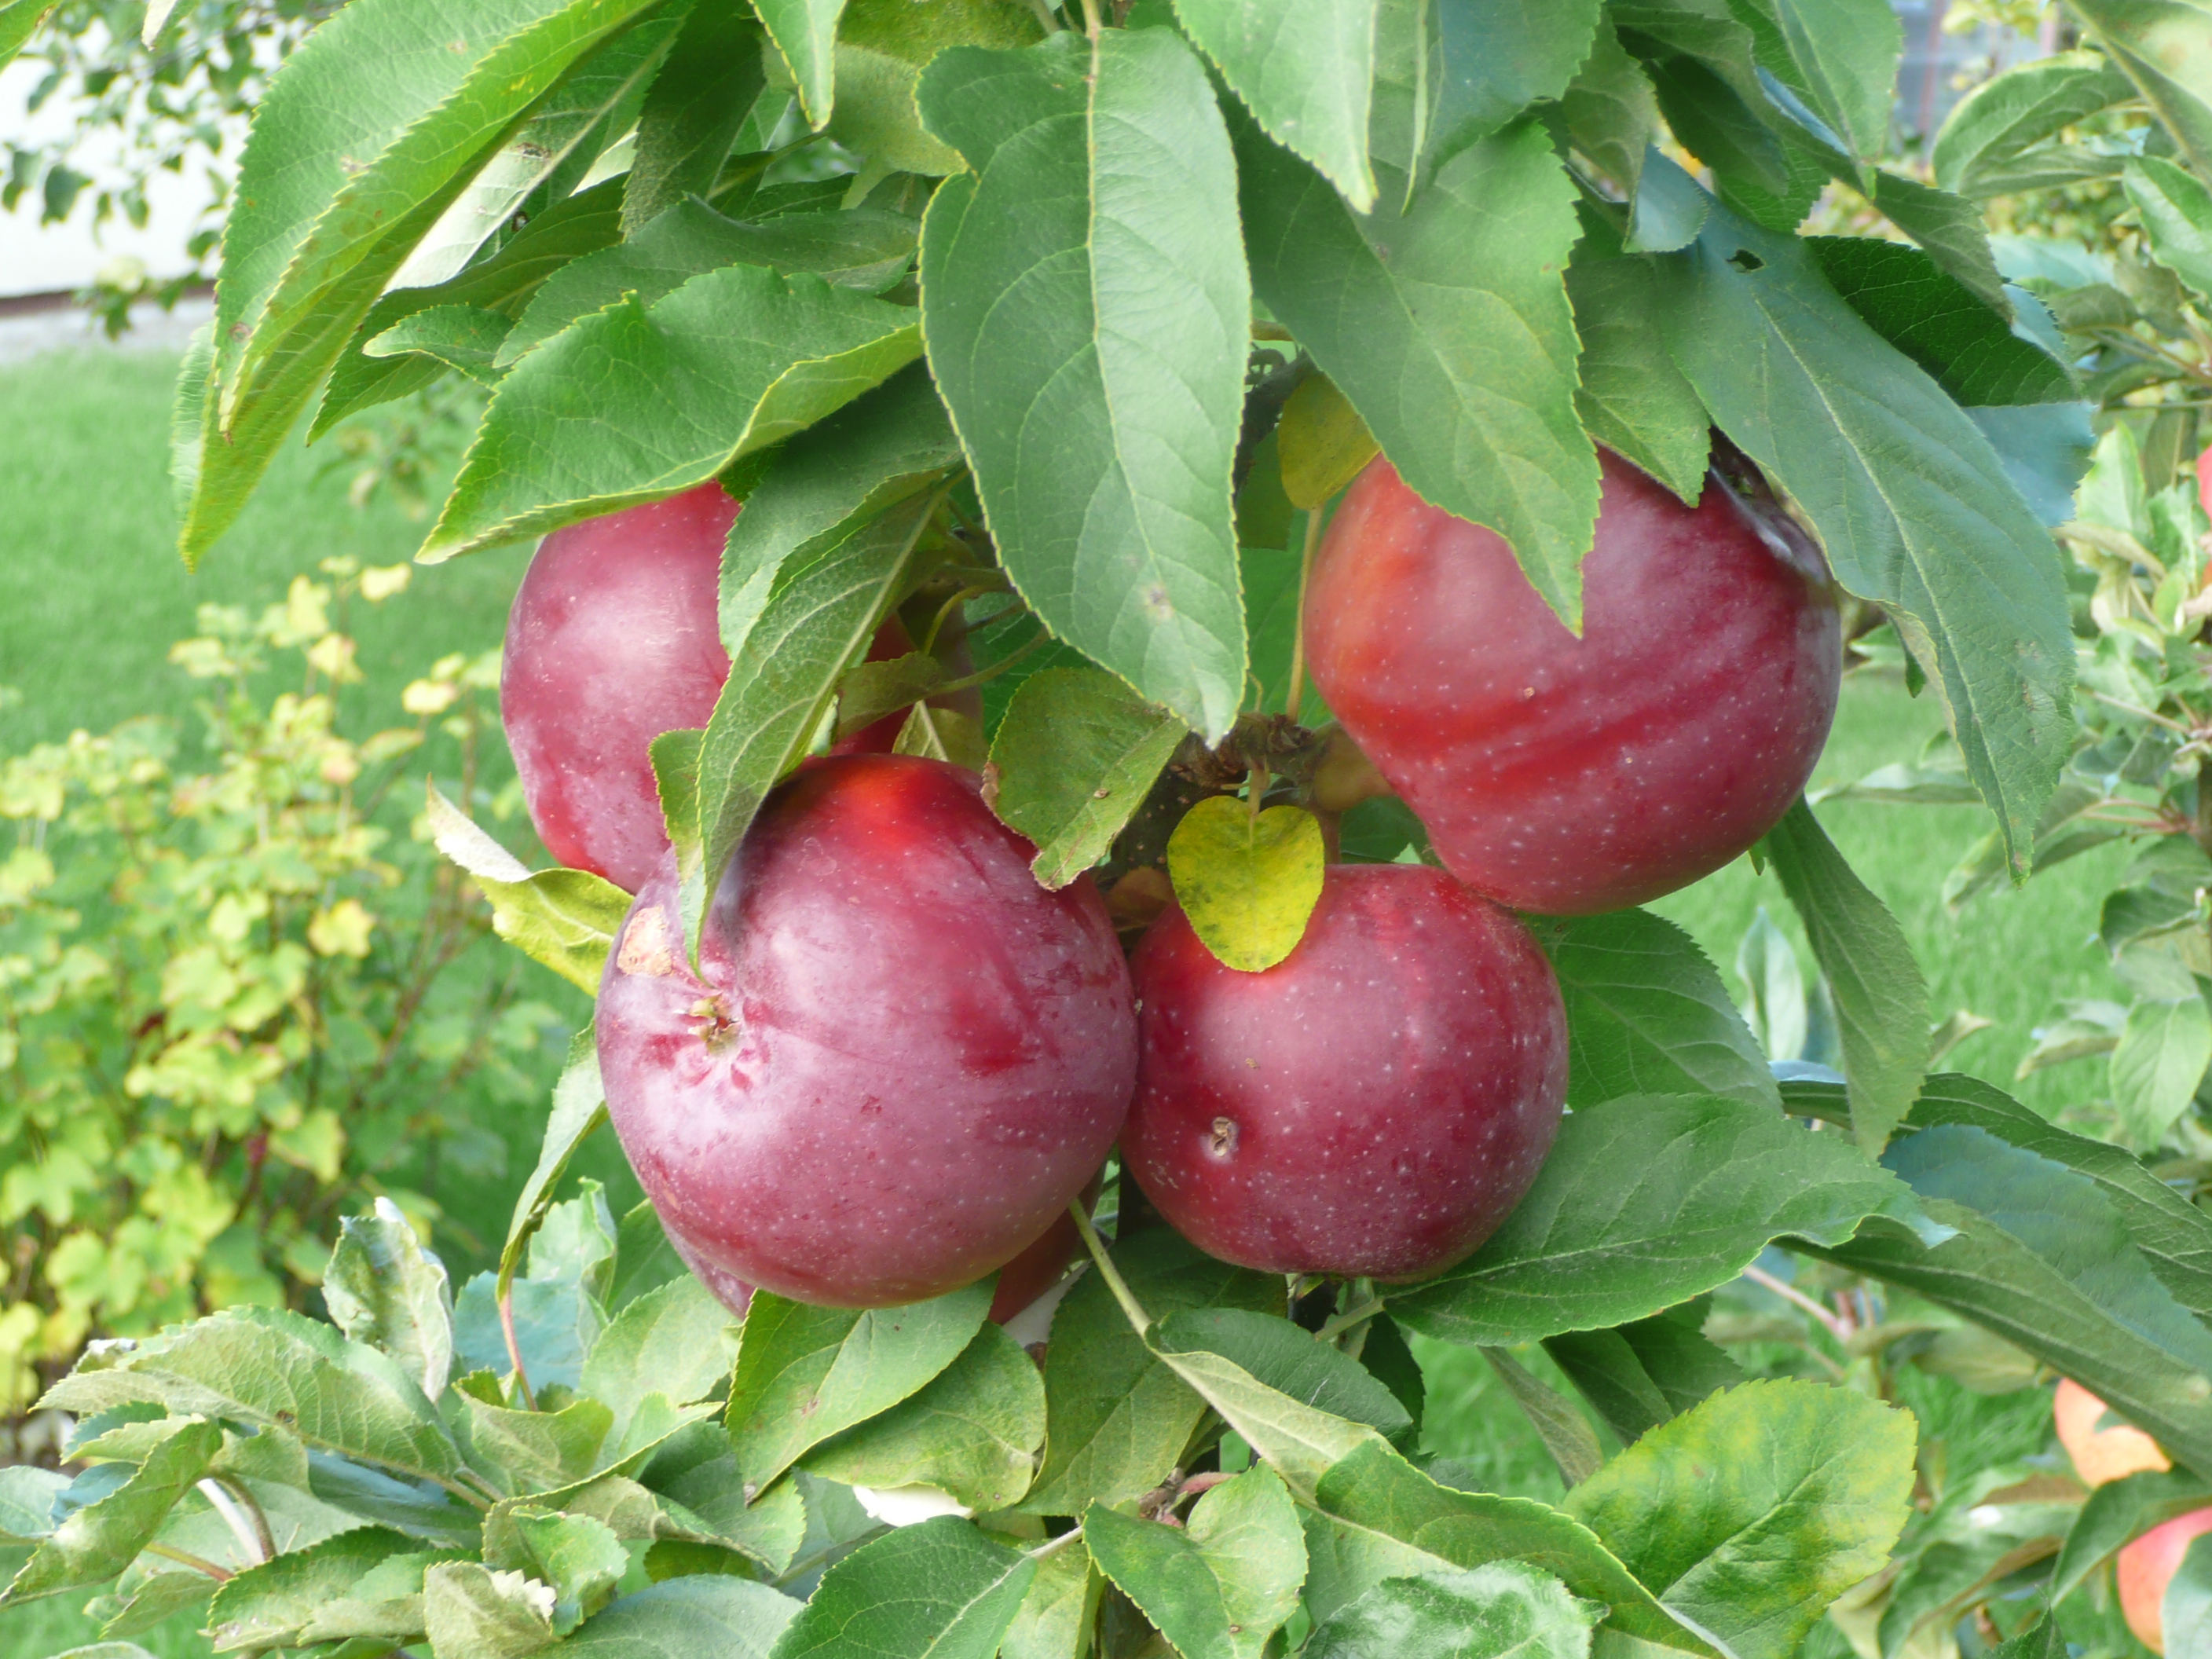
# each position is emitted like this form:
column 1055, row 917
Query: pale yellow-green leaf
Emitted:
column 1322, row 441
column 1247, row 883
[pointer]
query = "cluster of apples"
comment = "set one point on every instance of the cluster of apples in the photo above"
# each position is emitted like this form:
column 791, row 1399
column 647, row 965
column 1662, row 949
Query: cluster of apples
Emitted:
column 2105, row 1450
column 897, row 1060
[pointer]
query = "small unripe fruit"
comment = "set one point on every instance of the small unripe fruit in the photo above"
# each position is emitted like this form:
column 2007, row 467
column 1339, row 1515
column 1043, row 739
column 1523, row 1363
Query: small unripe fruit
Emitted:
column 2145, row 1568
column 1376, row 1103
column 901, row 1058
column 2100, row 1455
column 1571, row 775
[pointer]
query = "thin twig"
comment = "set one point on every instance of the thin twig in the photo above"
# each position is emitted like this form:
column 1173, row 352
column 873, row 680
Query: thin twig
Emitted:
column 514, row 1347
column 1052, row 1545
column 2145, row 714
column 1791, row 1294
column 1350, row 1317
column 1091, row 24
column 243, row 1517
column 169, row 1552
column 1044, row 15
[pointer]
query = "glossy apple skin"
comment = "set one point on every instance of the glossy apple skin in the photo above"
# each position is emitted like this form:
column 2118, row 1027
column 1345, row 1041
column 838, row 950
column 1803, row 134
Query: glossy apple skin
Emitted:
column 1569, row 776
column 904, row 1057
column 2100, row 1455
column 613, row 640
column 2144, row 1569
column 1376, row 1103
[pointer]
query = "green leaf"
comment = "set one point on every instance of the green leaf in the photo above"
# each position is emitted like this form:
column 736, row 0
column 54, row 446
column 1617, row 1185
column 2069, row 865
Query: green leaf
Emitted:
column 699, row 1493
column 466, row 337
column 1645, row 1202
column 578, row 1556
column 2176, row 210
column 1949, row 228
column 1667, row 213
column 2117, row 1511
column 1301, row 1441
column 2163, row 1051
column 26, row 1502
column 697, row 103
column 693, row 1618
column 1648, row 1015
column 939, row 1589
column 1075, row 756
column 1406, row 313
column 1611, row 114
column 96, row 1542
column 1845, row 52
column 805, row 1374
column 1501, row 1610
column 731, row 362
column 522, row 1452
column 335, row 190
column 1322, row 444
column 504, row 283
column 1636, row 1376
column 470, row 1612
column 676, row 1341
column 18, row 21
column 1881, row 1001
column 1289, row 1360
column 1904, row 492
column 1057, row 1615
column 2165, row 46
column 1750, row 1513
column 565, row 919
column 1246, row 880
column 580, row 1106
column 1387, row 1519
column 1063, row 291
column 805, row 32
column 384, row 1290
column 1116, row 1416
column 973, row 1431
column 883, row 46
column 1496, row 58
column 1566, row 1434
column 322, row 1593
column 1996, row 120
column 1220, row 1586
column 1931, row 316
column 1632, row 399
column 820, row 612
column 1303, row 71
column 2185, row 1609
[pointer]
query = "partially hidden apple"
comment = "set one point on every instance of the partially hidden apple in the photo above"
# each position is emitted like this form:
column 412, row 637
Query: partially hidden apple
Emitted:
column 1376, row 1103
column 2100, row 1455
column 2144, row 1569
column 1570, row 776
column 613, row 640
column 902, row 1058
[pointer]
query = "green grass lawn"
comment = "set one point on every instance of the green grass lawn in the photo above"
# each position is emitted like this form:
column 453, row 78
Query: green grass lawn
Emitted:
column 92, row 596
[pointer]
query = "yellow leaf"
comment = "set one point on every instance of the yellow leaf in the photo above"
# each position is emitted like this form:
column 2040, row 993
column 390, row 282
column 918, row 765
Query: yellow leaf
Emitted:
column 1247, row 884
column 381, row 581
column 343, row 930
column 1322, row 441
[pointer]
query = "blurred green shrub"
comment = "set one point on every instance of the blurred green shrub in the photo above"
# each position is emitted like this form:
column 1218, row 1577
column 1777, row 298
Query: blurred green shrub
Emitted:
column 228, row 1012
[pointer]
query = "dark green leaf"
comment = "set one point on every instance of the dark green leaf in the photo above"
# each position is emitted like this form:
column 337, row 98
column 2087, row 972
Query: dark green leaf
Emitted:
column 1496, row 58
column 1905, row 493
column 1405, row 314
column 696, row 1617
column 1632, row 399
column 1117, row 1416
column 1642, row 1203
column 883, row 46
column 805, row 1374
column 382, row 1289
column 731, row 362
column 1064, row 292
column 1638, row 1375
column 938, row 1587
column 1950, row 229
column 2044, row 449
column 1289, row 1360
column 1501, row 1610
column 1724, row 129
column 2027, row 104
column 698, row 101
column 1881, row 1001
column 1220, row 1586
column 805, row 32
column 2166, row 48
column 1302, row 70
column 1845, row 52
column 1566, row 1434
column 1611, row 113
column 2176, row 210
column 1074, row 757
column 465, row 338
column 1751, row 1513
column 973, row 1431
column 96, row 1542
column 1648, row 1015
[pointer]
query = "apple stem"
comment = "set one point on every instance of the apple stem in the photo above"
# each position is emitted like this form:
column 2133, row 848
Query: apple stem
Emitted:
column 1053, row 1545
column 514, row 1347
column 1090, row 18
column 1298, row 630
column 1350, row 1317
column 1130, row 1306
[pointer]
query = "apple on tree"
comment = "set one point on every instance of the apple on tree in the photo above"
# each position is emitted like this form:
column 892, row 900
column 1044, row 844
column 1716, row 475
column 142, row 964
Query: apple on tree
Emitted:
column 1568, row 775
column 2146, row 1566
column 901, row 1060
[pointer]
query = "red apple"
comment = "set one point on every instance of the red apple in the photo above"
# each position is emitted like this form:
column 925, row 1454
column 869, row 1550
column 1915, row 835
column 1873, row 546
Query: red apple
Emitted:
column 2145, row 1568
column 1375, row 1103
column 903, row 1058
column 2100, row 1455
column 613, row 640
column 1572, row 775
